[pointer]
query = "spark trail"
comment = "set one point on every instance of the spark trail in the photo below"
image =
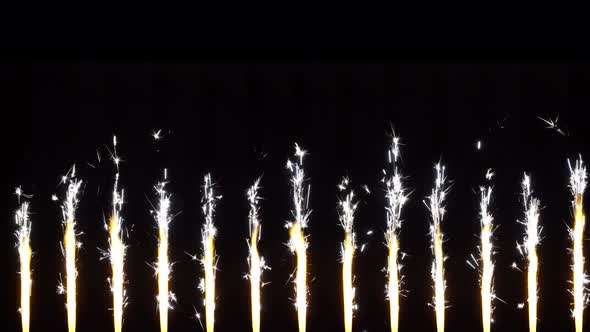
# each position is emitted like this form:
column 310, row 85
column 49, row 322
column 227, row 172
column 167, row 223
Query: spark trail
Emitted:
column 23, row 236
column 347, row 208
column 297, row 239
column 437, row 211
column 396, row 197
column 70, row 245
column 209, row 259
column 255, row 260
column 577, row 186
column 529, row 247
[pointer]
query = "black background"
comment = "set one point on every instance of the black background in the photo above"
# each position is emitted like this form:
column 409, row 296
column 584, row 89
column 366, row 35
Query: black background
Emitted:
column 240, row 120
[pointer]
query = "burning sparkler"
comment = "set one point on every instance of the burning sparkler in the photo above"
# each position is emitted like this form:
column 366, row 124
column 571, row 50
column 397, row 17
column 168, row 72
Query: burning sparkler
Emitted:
column 70, row 245
column 486, row 251
column 209, row 259
column 117, row 248
column 396, row 197
column 256, row 262
column 437, row 211
column 297, row 240
column 529, row 247
column 577, row 186
column 163, row 268
column 347, row 208
column 23, row 236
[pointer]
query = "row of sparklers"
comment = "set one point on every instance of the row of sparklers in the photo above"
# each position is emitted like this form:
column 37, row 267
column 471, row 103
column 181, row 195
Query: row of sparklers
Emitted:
column 396, row 196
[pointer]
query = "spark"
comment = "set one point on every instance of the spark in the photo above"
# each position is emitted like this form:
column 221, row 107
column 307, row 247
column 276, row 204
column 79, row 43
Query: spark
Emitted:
column 579, row 292
column 256, row 262
column 117, row 248
column 529, row 247
column 552, row 125
column 346, row 213
column 156, row 135
column 69, row 245
column 514, row 266
column 437, row 211
column 297, row 239
column 162, row 266
column 61, row 288
column 478, row 145
column 396, row 197
column 486, row 252
column 209, row 260
column 23, row 236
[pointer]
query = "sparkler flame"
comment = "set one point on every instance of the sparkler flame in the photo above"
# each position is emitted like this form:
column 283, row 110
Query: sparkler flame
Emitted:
column 117, row 249
column 23, row 235
column 70, row 245
column 163, row 268
column 487, row 271
column 209, row 260
column 579, row 292
column 396, row 198
column 529, row 247
column 347, row 208
column 256, row 262
column 297, row 240
column 437, row 211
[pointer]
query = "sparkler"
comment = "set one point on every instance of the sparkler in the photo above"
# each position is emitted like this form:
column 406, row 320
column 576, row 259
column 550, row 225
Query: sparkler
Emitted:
column 529, row 247
column 163, row 268
column 23, row 236
column 209, row 260
column 437, row 211
column 297, row 239
column 347, row 208
column 70, row 245
column 486, row 251
column 577, row 186
column 117, row 248
column 396, row 197
column 256, row 262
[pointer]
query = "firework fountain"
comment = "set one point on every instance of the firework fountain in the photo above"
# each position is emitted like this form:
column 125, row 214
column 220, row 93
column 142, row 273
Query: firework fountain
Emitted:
column 117, row 248
column 70, row 245
column 579, row 292
column 396, row 198
column 437, row 211
column 209, row 258
column 347, row 208
column 528, row 248
column 23, row 236
column 255, row 260
column 297, row 239
column 162, row 266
